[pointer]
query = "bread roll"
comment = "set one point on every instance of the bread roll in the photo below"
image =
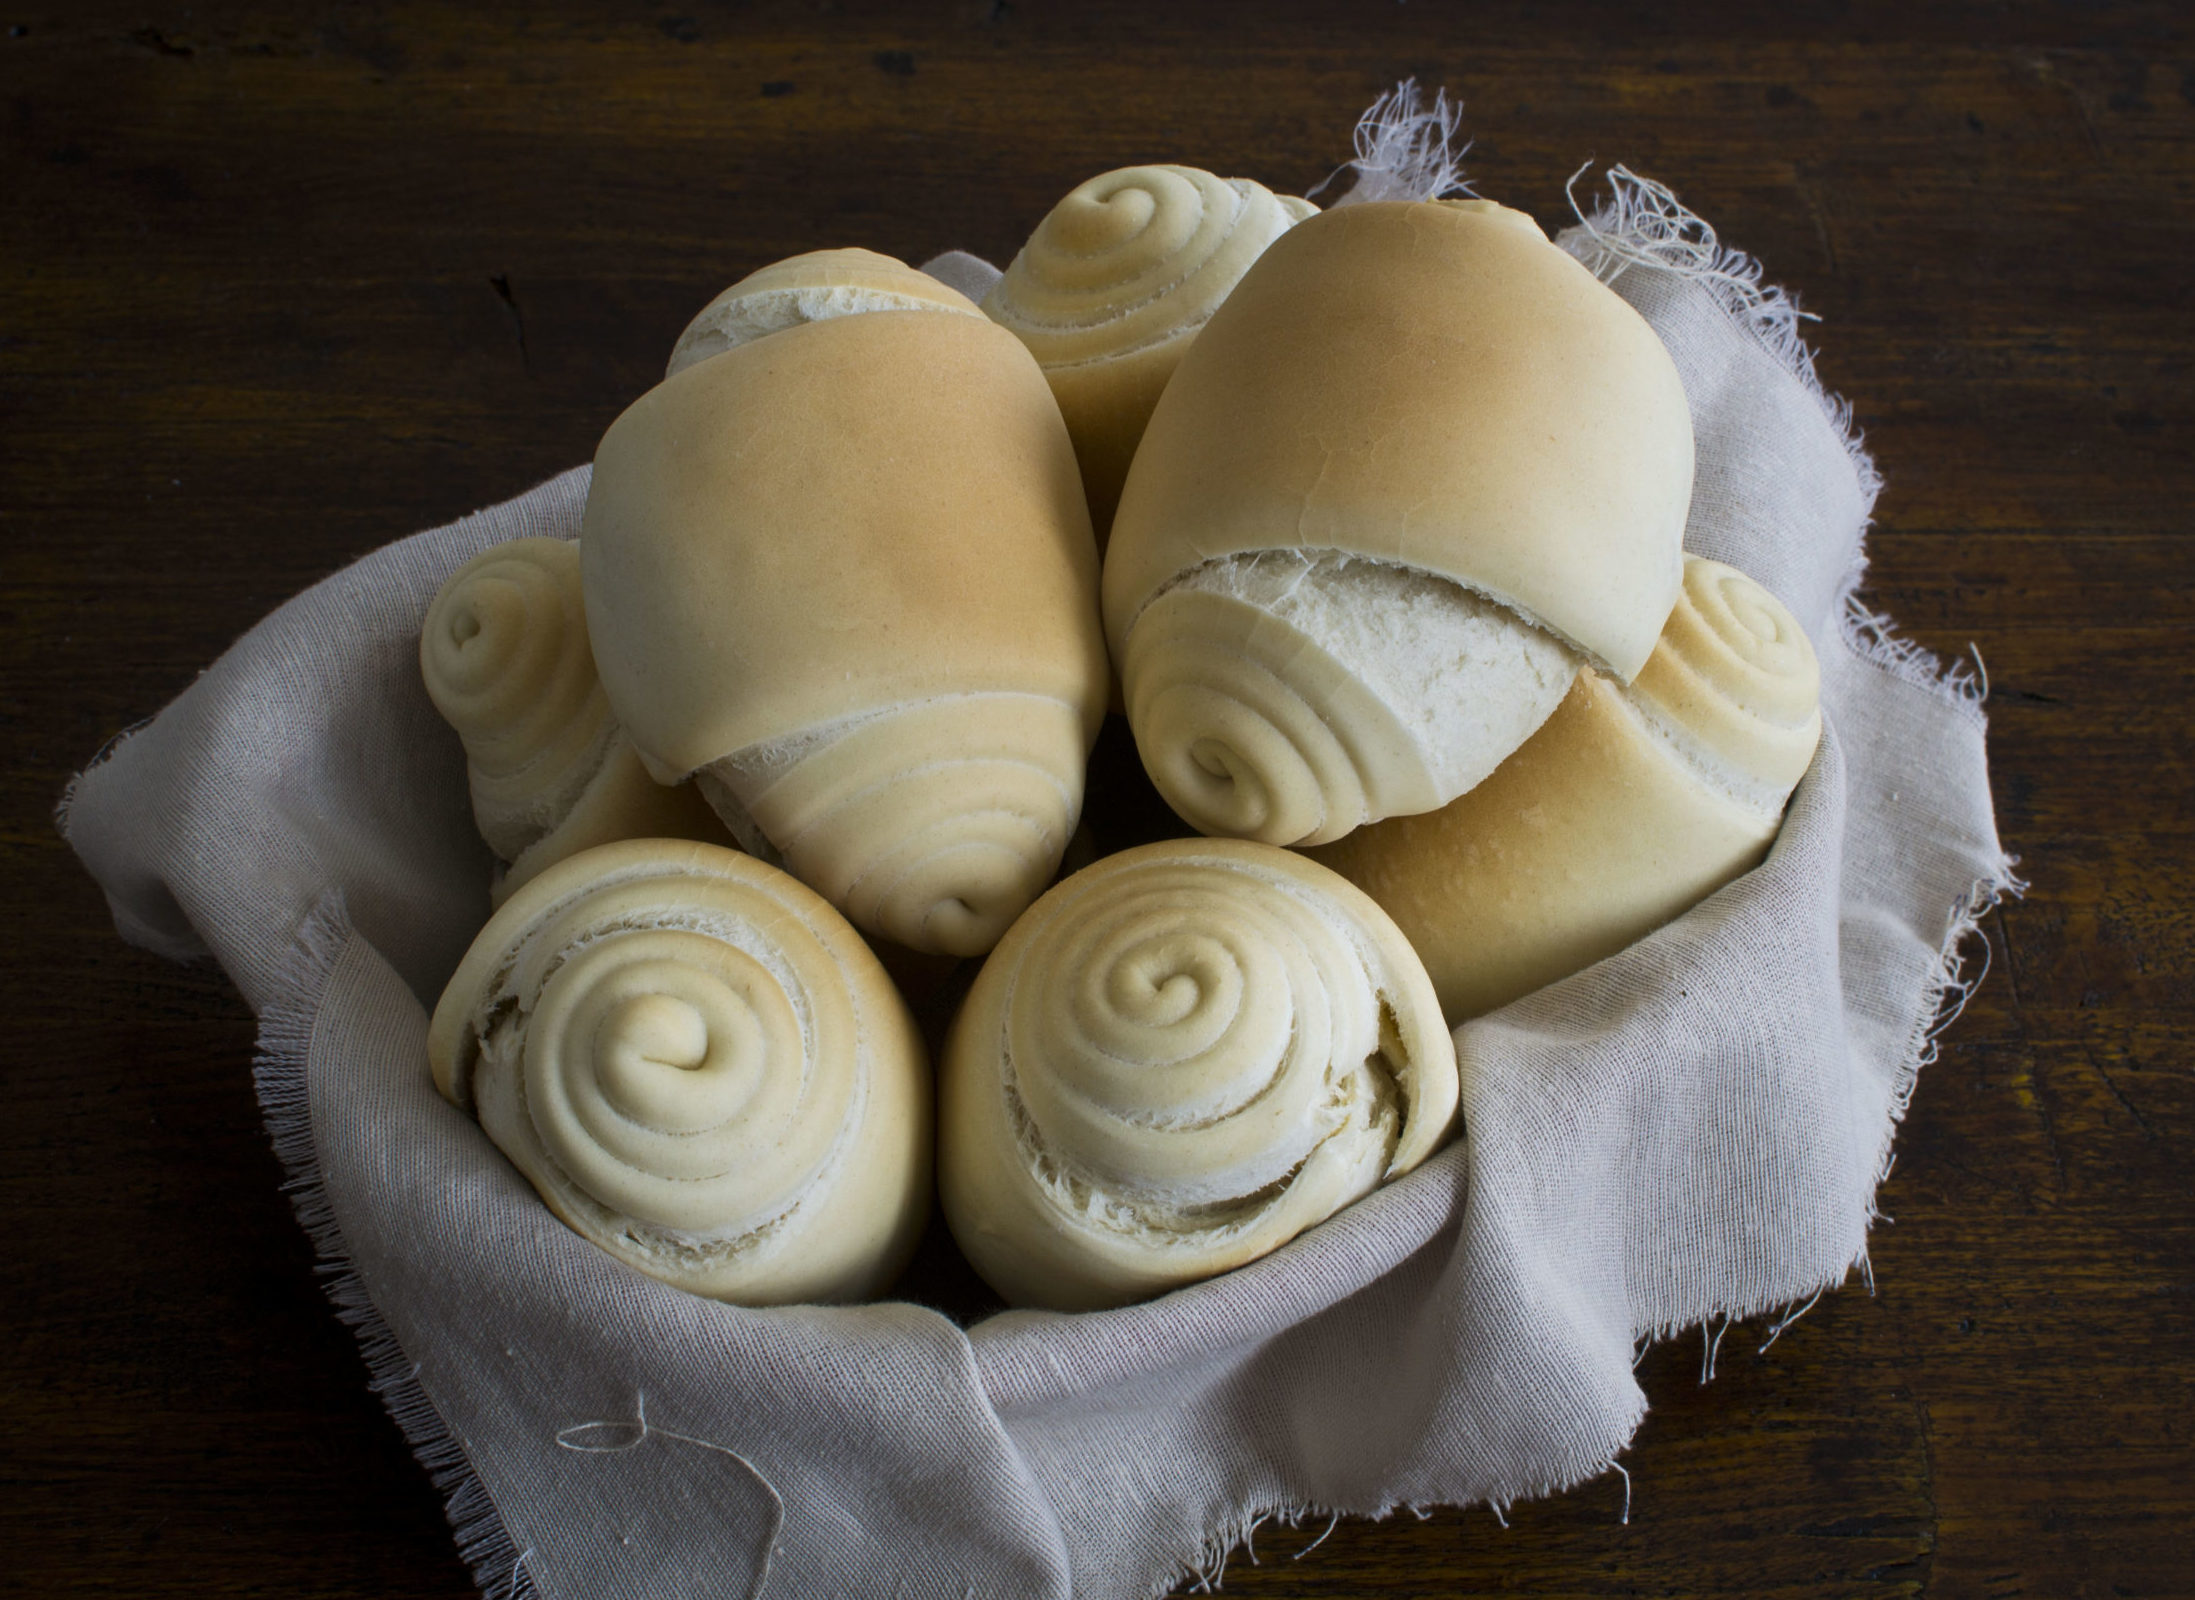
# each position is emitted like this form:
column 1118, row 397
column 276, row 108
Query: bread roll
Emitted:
column 1177, row 1060
column 1478, row 460
column 701, row 1068
column 1112, row 287
column 505, row 656
column 1630, row 806
column 845, row 570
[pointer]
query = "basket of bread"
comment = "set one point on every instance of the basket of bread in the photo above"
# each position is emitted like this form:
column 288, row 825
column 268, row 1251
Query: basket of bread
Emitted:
column 1057, row 910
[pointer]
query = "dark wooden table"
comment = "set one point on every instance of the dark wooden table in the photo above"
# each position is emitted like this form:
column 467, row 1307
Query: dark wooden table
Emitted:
column 282, row 283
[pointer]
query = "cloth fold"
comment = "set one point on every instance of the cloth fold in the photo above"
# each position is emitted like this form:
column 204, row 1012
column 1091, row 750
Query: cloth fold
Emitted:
column 1692, row 1129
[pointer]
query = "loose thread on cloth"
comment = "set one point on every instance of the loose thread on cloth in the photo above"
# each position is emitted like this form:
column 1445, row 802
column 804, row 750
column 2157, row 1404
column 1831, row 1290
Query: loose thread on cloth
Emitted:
column 1788, row 1318
column 622, row 1436
column 279, row 1064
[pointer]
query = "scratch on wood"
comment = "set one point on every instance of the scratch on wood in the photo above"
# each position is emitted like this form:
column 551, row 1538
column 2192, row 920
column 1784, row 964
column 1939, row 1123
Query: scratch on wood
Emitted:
column 501, row 282
column 1821, row 224
column 2118, row 1094
column 2011, row 961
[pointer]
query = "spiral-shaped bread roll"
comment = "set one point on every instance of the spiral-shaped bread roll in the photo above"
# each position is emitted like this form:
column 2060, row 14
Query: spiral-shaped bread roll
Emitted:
column 1112, row 287
column 1627, row 808
column 506, row 661
column 1175, row 1062
column 700, row 1067
column 843, row 571
column 1416, row 470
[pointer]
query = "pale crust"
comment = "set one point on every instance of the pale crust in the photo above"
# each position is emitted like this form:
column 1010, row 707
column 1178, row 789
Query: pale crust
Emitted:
column 810, row 288
column 836, row 520
column 1627, row 808
column 1433, row 384
column 505, row 657
column 701, row 1068
column 1112, row 287
column 1176, row 1061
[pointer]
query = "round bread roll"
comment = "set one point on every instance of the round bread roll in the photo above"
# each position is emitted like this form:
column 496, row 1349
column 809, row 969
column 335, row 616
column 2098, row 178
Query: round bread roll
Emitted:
column 1418, row 469
column 1112, row 287
column 505, row 656
column 844, row 571
column 1177, row 1060
column 1629, row 807
column 701, row 1068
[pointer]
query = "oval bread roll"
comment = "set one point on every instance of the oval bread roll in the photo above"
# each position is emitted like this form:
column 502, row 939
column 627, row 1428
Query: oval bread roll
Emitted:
column 1177, row 1060
column 844, row 570
column 505, row 656
column 1630, row 806
column 1471, row 463
column 701, row 1068
column 1112, row 287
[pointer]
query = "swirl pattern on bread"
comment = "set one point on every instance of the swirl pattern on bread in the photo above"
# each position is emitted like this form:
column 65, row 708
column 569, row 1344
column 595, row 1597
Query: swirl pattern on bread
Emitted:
column 507, row 662
column 1114, row 284
column 1179, row 1059
column 1289, row 697
column 700, row 1067
column 1630, row 806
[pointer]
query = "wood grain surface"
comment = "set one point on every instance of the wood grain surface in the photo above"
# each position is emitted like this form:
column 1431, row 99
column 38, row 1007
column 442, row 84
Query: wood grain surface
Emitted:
column 280, row 283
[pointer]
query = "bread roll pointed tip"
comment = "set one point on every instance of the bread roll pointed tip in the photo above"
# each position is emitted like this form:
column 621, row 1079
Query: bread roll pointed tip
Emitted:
column 810, row 288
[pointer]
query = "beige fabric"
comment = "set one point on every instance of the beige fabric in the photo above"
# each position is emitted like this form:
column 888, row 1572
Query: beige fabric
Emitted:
column 1111, row 288
column 837, row 538
column 1626, row 809
column 1432, row 385
column 1176, row 1061
column 701, row 1068
column 1648, row 1145
column 506, row 661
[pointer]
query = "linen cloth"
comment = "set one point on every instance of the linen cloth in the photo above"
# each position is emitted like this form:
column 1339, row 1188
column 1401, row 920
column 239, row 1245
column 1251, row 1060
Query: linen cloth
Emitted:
column 1692, row 1129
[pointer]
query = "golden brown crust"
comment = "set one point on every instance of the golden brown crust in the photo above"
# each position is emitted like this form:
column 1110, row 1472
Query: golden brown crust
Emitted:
column 835, row 520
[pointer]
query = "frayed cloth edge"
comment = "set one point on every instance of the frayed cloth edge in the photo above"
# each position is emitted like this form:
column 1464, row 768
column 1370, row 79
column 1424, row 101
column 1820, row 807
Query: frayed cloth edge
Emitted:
column 1203, row 1570
column 286, row 1027
column 1406, row 150
column 1944, row 996
column 1643, row 225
